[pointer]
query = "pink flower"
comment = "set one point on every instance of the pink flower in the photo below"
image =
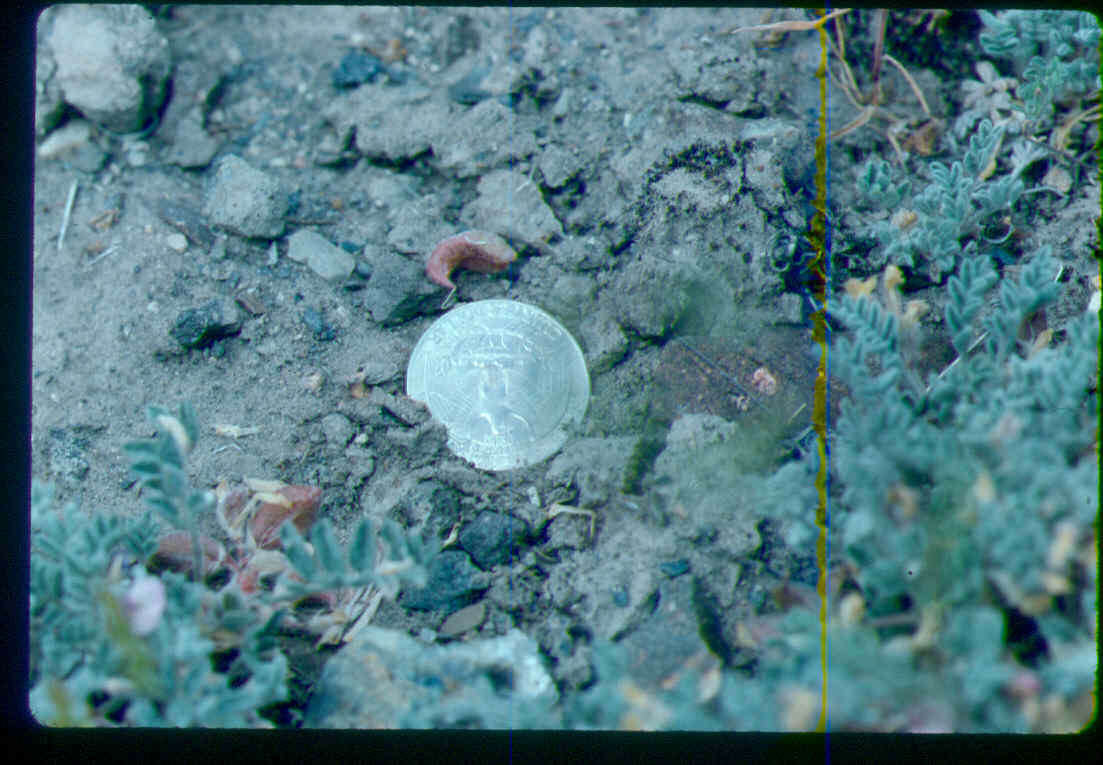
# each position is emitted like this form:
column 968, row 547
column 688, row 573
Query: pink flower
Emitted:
column 764, row 382
column 144, row 603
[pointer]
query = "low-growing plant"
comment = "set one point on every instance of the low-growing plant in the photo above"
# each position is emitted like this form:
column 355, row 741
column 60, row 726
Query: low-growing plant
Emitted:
column 113, row 644
column 1055, row 52
column 964, row 504
column 970, row 204
column 944, row 223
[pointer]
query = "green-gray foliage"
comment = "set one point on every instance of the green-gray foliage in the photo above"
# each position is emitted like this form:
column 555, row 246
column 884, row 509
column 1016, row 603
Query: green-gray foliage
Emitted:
column 940, row 441
column 1053, row 50
column 113, row 645
column 951, row 211
column 327, row 568
column 90, row 667
column 993, row 451
column 1054, row 56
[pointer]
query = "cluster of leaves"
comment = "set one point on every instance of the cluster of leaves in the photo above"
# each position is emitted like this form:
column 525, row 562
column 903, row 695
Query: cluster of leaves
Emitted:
column 991, row 414
column 870, row 686
column 967, row 203
column 950, row 213
column 1053, row 50
column 942, row 504
column 112, row 644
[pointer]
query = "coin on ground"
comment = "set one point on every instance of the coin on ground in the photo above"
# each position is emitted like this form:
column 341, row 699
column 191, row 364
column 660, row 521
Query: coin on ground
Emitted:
column 505, row 378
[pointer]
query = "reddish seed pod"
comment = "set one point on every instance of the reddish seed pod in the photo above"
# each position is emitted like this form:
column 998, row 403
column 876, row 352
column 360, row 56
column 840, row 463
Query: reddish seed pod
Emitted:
column 475, row 250
column 174, row 553
column 302, row 510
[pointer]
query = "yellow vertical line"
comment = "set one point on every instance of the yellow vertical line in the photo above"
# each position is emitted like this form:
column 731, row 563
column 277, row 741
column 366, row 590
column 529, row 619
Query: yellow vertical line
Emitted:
column 817, row 237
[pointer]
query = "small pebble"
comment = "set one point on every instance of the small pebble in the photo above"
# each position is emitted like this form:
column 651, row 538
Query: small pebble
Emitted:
column 317, row 323
column 675, row 567
column 177, row 242
column 463, row 620
column 65, row 139
column 355, row 69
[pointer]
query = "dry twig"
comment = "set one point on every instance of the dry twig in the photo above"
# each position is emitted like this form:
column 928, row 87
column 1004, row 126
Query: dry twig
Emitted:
column 68, row 213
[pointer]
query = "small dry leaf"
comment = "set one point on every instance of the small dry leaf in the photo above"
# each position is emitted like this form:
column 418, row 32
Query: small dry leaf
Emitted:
column 914, row 310
column 234, row 431
column 231, row 507
column 1055, row 584
column 800, row 708
column 645, row 711
column 1058, row 178
column 892, row 280
column 764, row 382
column 709, row 684
column 983, row 489
column 851, row 609
column 924, row 139
column 858, row 287
column 1063, row 546
column 930, row 623
column 894, row 277
column 266, row 562
column 744, row 637
column 1031, row 604
column 905, row 499
column 394, row 51
column 1040, row 342
column 264, row 485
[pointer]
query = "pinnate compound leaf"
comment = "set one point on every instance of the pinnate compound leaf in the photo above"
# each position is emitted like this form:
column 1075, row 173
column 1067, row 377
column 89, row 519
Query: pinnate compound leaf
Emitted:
column 295, row 550
column 326, row 549
column 362, row 547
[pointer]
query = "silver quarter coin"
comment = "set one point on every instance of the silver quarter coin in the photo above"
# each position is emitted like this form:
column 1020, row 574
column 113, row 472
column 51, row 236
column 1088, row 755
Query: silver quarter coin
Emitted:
column 505, row 379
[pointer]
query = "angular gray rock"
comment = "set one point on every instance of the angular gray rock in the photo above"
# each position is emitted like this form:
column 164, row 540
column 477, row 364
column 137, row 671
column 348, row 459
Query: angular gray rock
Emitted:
column 511, row 203
column 246, row 201
column 329, row 262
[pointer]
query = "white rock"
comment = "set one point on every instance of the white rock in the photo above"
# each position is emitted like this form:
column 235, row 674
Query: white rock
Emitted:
column 326, row 260
column 65, row 139
column 112, row 62
column 177, row 242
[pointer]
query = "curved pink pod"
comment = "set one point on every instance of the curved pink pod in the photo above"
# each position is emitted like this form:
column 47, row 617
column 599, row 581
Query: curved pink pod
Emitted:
column 475, row 250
